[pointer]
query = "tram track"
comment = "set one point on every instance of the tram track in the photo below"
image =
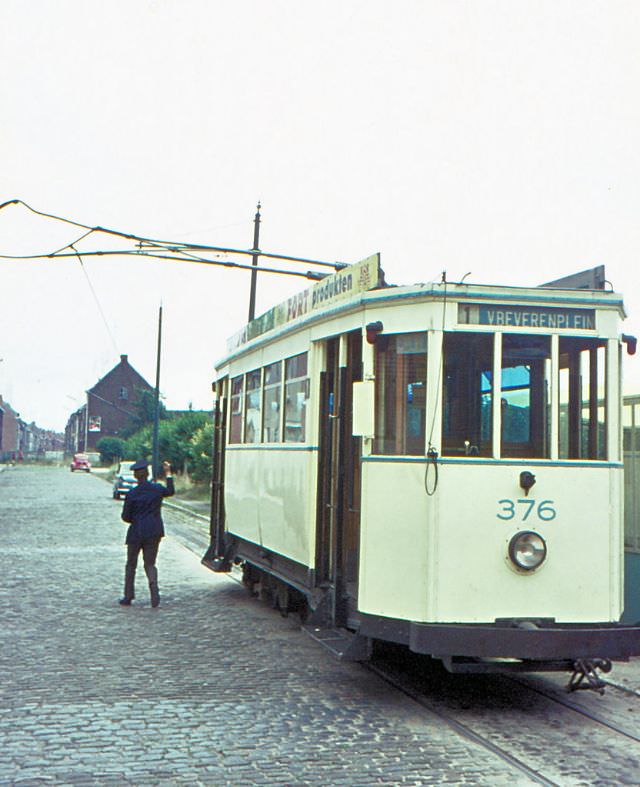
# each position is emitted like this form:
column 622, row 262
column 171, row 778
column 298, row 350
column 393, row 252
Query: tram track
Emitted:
column 188, row 527
column 500, row 714
column 621, row 688
column 554, row 696
column 461, row 728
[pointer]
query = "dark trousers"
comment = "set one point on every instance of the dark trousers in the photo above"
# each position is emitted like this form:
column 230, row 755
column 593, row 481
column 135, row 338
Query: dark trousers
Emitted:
column 149, row 554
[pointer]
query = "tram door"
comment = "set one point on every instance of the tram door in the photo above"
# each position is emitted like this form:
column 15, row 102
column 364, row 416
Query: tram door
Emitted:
column 338, row 518
column 217, row 519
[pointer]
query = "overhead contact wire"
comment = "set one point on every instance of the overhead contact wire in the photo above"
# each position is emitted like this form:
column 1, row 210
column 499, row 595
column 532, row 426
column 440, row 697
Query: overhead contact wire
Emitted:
column 96, row 299
column 159, row 243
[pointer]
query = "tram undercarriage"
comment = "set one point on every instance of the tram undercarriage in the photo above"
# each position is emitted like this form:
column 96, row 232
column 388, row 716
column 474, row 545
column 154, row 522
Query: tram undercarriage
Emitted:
column 508, row 645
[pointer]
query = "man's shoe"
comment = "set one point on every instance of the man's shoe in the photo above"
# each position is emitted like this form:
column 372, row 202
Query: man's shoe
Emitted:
column 155, row 596
column 125, row 602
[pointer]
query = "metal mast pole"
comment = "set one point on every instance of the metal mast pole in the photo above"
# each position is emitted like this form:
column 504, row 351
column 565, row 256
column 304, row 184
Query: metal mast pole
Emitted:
column 254, row 263
column 155, row 464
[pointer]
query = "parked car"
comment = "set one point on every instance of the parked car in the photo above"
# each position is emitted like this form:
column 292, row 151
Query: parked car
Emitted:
column 124, row 480
column 80, row 462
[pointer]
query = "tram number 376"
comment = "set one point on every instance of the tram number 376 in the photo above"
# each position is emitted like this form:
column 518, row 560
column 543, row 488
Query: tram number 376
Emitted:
column 523, row 508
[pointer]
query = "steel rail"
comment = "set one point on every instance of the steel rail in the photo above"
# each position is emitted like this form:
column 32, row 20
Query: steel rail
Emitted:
column 184, row 510
column 190, row 543
column 554, row 697
column 620, row 687
column 462, row 729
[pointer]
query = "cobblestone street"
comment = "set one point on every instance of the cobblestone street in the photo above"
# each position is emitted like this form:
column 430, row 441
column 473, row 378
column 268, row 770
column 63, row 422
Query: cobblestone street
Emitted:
column 210, row 688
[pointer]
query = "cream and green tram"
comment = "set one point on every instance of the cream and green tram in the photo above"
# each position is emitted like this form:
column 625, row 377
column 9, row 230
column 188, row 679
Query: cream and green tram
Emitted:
column 437, row 465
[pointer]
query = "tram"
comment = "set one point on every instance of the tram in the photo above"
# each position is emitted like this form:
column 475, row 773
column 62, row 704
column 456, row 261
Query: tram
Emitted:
column 437, row 465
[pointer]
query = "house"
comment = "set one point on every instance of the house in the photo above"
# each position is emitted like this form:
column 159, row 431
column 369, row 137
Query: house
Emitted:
column 109, row 409
column 9, row 431
column 20, row 440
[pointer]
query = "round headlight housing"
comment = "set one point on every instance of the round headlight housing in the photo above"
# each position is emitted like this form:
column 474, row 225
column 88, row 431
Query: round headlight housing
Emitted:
column 527, row 550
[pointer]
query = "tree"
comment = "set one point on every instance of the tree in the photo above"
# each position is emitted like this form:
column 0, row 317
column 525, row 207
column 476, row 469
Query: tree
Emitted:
column 144, row 406
column 111, row 448
column 175, row 436
column 200, row 448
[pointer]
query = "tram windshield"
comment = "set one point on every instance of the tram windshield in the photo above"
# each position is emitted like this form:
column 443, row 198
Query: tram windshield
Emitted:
column 401, row 379
column 524, row 396
column 525, row 388
column 582, row 384
column 467, row 394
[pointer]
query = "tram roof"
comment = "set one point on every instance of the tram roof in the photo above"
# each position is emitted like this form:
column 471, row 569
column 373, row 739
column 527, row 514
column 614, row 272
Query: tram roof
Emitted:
column 362, row 284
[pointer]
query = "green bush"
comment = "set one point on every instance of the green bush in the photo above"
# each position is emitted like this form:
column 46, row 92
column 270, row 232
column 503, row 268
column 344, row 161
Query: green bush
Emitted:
column 182, row 441
column 111, row 449
column 200, row 447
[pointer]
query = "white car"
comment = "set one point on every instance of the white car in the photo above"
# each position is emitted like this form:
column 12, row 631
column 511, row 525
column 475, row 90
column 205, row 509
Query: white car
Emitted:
column 124, row 480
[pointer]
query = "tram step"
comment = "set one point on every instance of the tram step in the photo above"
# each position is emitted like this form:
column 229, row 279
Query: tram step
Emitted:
column 343, row 644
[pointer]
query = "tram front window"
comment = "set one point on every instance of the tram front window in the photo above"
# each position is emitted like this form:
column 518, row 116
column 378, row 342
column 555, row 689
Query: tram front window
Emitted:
column 524, row 395
column 467, row 394
column 582, row 398
column 401, row 376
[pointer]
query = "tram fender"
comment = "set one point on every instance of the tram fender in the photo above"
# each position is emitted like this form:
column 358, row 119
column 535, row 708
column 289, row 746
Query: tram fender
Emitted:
column 605, row 641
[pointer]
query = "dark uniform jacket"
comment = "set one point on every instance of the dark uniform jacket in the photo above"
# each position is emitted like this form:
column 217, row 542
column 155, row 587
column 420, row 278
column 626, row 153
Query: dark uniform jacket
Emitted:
column 142, row 510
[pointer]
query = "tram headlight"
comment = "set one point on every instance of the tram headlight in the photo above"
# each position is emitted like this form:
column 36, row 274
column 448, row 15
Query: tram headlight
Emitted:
column 527, row 550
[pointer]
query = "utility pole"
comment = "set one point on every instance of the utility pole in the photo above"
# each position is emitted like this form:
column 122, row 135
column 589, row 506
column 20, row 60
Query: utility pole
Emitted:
column 254, row 263
column 155, row 464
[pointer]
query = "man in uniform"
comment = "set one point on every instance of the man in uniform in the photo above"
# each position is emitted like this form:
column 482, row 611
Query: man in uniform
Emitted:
column 142, row 511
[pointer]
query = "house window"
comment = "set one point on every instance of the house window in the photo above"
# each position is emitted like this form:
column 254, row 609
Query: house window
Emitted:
column 124, row 394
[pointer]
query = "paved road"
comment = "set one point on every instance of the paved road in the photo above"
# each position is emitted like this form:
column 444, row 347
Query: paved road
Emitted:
column 212, row 688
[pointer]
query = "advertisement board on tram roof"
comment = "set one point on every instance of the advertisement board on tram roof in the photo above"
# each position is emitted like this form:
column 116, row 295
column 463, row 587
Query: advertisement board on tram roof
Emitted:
column 344, row 284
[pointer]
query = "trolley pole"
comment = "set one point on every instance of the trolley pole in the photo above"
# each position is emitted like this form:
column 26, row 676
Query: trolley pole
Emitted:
column 254, row 262
column 155, row 464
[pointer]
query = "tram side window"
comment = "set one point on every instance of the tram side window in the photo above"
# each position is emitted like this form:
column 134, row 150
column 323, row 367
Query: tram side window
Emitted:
column 272, row 399
column 401, row 379
column 296, row 386
column 467, row 394
column 524, row 395
column 252, row 407
column 235, row 431
column 582, row 383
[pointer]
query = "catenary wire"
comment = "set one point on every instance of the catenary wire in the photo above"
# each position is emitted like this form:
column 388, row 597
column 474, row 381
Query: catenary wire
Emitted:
column 154, row 241
column 97, row 300
column 137, row 253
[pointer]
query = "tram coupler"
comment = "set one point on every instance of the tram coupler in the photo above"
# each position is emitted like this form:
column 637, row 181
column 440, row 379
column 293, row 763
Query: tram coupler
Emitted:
column 585, row 675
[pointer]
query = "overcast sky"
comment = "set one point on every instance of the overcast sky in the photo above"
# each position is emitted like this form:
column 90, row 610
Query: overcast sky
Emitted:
column 501, row 138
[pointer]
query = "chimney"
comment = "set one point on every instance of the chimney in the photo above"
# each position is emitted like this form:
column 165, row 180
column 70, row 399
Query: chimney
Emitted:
column 123, row 359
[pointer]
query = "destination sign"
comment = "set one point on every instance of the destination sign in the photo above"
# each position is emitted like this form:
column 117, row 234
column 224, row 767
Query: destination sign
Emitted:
column 502, row 316
column 350, row 281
